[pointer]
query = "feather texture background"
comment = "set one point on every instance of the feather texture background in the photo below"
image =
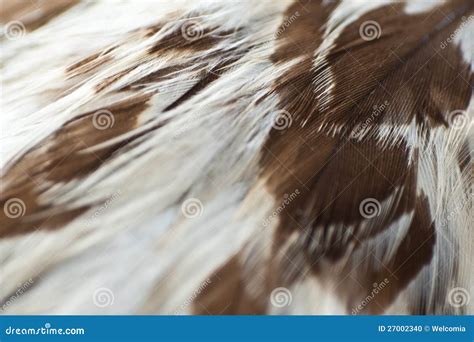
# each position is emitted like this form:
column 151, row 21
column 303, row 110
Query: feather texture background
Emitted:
column 279, row 157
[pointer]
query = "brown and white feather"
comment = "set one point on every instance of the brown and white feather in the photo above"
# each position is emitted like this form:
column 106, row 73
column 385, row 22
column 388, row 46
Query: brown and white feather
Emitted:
column 194, row 118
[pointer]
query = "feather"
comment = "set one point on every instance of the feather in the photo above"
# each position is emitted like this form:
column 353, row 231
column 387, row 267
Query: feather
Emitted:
column 287, row 157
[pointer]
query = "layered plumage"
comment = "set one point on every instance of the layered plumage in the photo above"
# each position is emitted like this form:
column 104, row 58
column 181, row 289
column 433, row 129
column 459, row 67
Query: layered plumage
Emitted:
column 271, row 157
